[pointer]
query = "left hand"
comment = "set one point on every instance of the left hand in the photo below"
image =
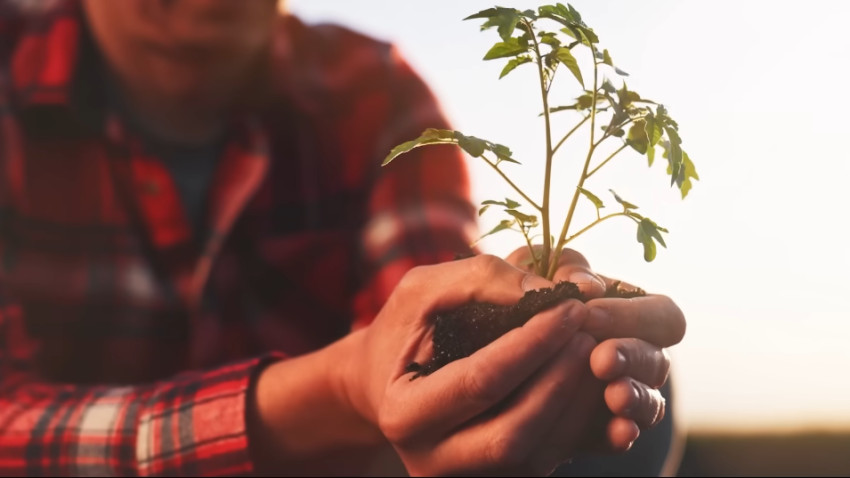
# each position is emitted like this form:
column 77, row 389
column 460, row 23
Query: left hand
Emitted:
column 630, row 363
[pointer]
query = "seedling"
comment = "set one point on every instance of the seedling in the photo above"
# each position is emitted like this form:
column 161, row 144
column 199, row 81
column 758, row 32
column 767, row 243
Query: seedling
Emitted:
column 547, row 39
column 623, row 115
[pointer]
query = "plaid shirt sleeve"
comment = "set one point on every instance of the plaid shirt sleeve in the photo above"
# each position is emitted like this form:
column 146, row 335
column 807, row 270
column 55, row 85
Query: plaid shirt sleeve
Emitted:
column 420, row 209
column 193, row 424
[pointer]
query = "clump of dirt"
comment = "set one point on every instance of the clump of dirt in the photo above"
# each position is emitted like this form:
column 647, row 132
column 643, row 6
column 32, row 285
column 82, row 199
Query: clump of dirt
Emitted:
column 461, row 331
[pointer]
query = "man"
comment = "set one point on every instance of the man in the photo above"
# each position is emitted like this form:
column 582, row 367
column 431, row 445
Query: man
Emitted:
column 204, row 271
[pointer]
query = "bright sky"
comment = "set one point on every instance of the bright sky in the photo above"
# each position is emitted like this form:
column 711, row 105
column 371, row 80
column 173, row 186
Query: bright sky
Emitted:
column 757, row 253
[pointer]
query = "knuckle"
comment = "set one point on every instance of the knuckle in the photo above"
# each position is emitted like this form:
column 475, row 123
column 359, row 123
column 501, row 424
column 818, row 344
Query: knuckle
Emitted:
column 394, row 427
column 572, row 256
column 479, row 387
column 662, row 361
column 649, row 406
column 487, row 264
column 508, row 450
column 646, row 361
column 413, row 278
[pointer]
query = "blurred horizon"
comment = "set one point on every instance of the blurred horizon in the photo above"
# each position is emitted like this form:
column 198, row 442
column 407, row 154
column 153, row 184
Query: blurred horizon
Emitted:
column 756, row 253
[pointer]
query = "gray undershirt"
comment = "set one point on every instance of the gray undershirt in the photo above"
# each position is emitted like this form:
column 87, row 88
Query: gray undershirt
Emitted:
column 191, row 166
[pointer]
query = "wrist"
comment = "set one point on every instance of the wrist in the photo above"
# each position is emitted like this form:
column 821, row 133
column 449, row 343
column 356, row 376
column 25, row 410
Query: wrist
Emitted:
column 300, row 414
column 348, row 378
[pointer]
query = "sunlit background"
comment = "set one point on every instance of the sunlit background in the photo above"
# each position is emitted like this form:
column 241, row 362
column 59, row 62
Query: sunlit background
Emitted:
column 757, row 253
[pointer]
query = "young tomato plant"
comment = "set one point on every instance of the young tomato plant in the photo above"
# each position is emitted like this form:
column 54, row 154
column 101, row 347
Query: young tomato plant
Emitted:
column 547, row 39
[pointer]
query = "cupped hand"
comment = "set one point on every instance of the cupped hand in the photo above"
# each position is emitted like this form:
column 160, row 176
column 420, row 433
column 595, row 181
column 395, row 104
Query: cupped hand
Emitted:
column 630, row 363
column 514, row 406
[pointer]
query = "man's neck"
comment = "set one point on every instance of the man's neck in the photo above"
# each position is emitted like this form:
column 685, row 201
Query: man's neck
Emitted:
column 167, row 121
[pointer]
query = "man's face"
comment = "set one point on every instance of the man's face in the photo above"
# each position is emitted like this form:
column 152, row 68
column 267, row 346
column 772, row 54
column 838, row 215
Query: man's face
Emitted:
column 182, row 47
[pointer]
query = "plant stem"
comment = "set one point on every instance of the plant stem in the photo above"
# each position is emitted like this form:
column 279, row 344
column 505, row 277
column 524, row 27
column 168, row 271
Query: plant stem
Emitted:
column 594, row 223
column 544, row 92
column 530, row 249
column 553, row 261
column 511, row 183
column 584, row 120
column 591, row 173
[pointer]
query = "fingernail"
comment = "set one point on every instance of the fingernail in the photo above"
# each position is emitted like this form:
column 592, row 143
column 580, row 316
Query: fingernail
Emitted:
column 534, row 282
column 634, row 401
column 590, row 281
column 598, row 320
column 635, row 434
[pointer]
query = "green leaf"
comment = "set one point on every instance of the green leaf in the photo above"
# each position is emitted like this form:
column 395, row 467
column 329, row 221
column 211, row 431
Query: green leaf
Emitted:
column 487, row 13
column 606, row 58
column 506, row 24
column 473, row 146
column 688, row 172
column 625, row 204
column 593, row 198
column 654, row 129
column 502, row 152
column 550, row 39
column 505, row 49
column 505, row 19
column 674, row 155
column 429, row 136
column 561, row 11
column 575, row 15
column 626, row 97
column 513, row 63
column 566, row 57
column 650, row 155
column 647, row 234
column 608, row 87
column 652, row 229
column 583, row 102
column 649, row 249
column 620, row 72
column 637, row 137
column 524, row 219
column 684, row 173
column 508, row 203
column 588, row 34
column 505, row 224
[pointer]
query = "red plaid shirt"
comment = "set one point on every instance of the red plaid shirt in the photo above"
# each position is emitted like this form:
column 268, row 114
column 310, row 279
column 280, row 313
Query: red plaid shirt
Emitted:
column 126, row 347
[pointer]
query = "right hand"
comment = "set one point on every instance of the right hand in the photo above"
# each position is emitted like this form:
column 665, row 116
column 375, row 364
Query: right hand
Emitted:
column 513, row 406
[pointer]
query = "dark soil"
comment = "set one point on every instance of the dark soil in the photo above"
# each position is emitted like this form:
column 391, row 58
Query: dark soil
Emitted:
column 461, row 331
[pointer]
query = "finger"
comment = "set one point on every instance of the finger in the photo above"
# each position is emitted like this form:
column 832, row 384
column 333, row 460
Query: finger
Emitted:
column 573, row 267
column 574, row 429
column 654, row 318
column 620, row 284
column 507, row 442
column 635, row 358
column 636, row 401
column 469, row 386
column 621, row 433
column 521, row 258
